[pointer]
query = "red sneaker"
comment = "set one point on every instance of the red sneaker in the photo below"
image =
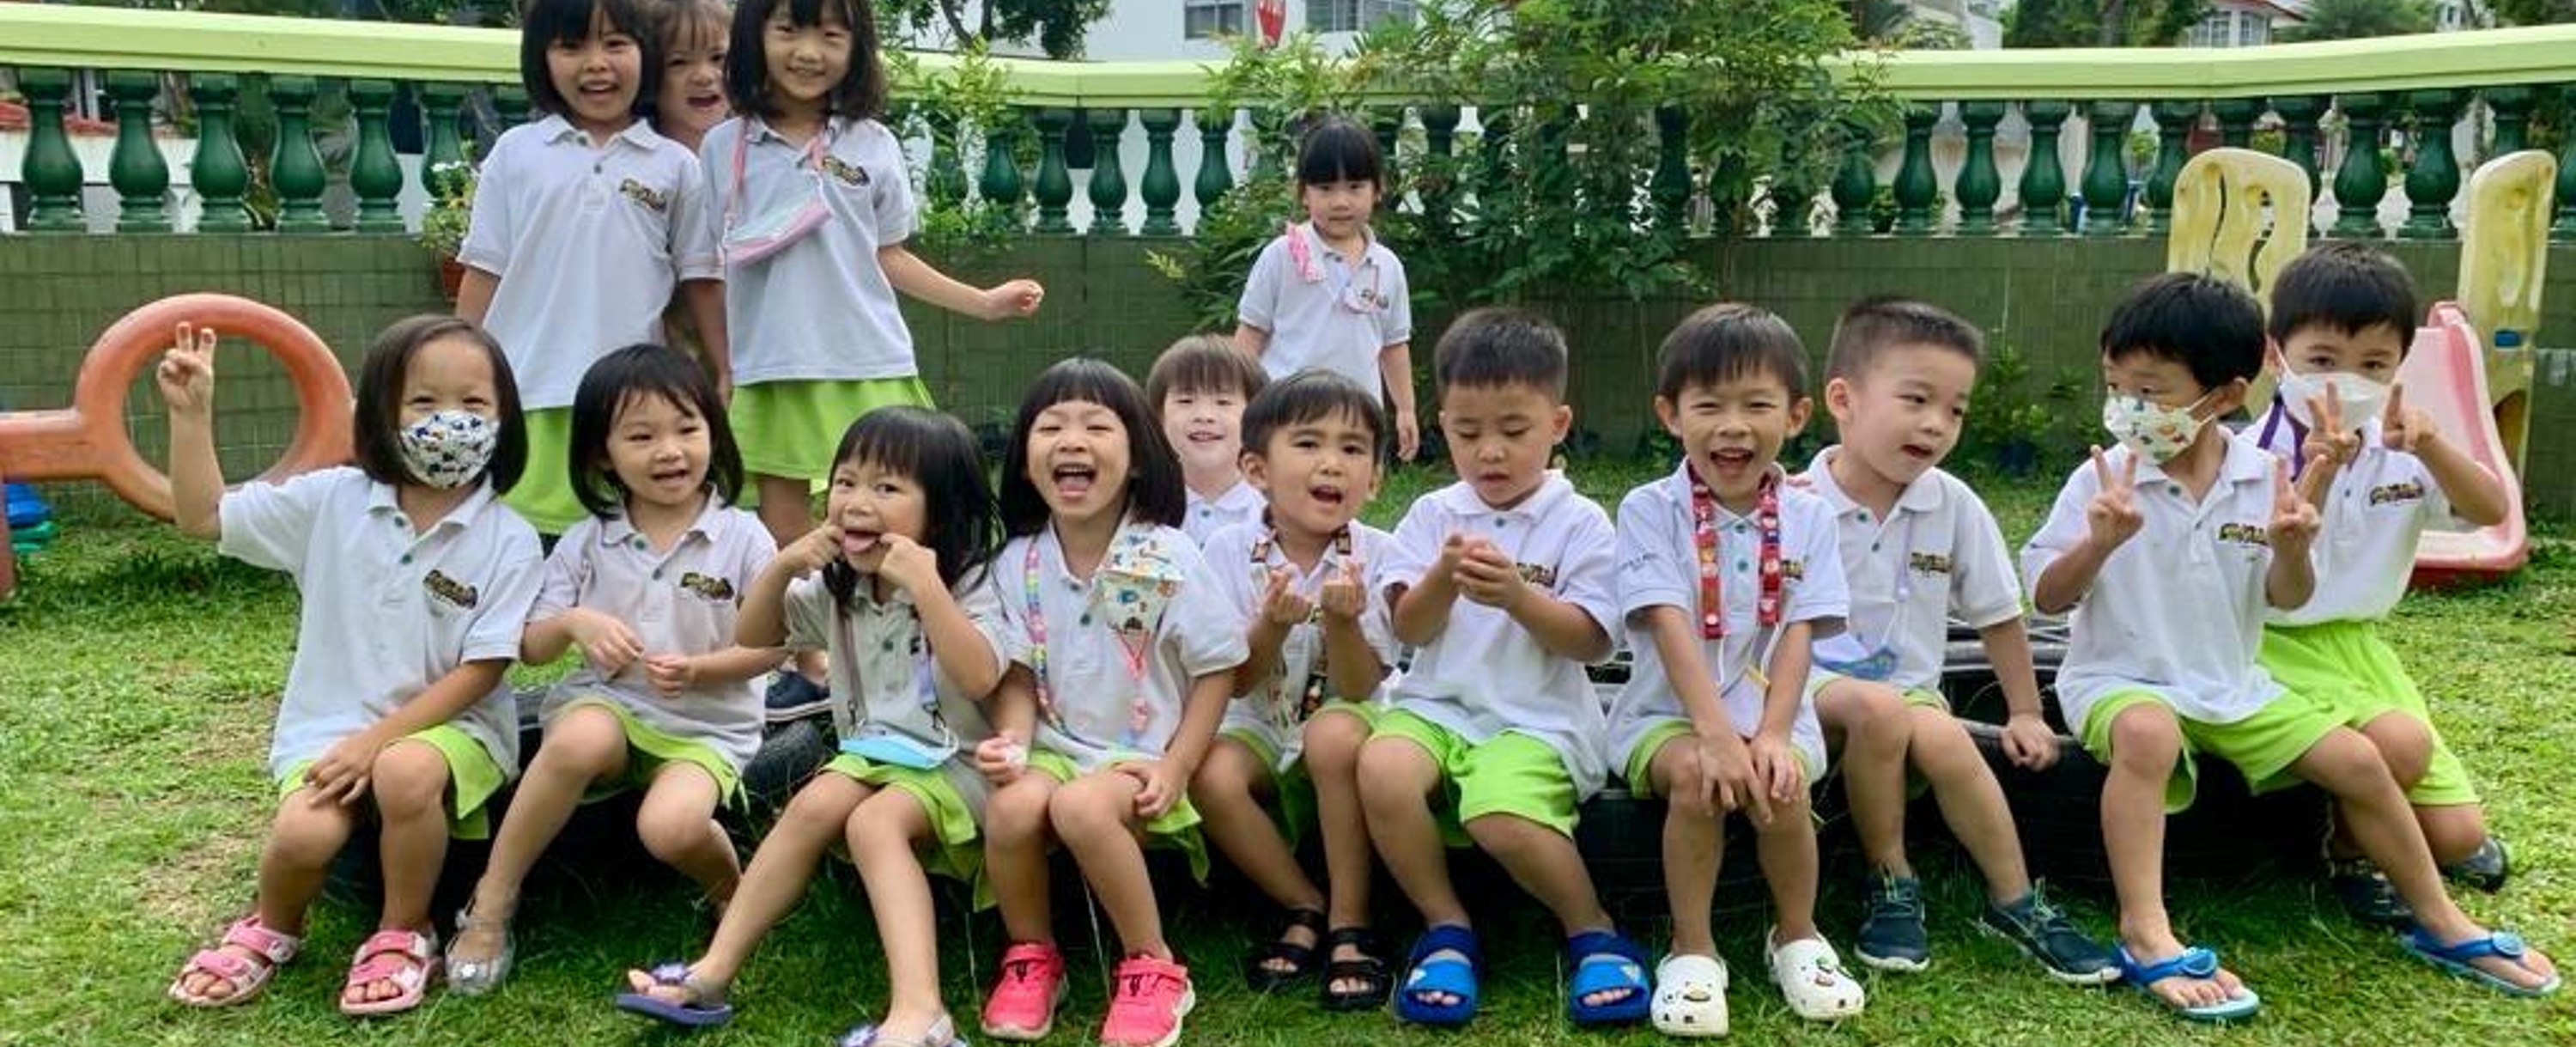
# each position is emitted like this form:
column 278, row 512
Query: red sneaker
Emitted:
column 1022, row 1006
column 1147, row 1000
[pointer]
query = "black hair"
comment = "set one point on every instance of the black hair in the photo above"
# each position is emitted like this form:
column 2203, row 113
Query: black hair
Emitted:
column 544, row 23
column 1203, row 363
column 2210, row 326
column 1728, row 341
column 1310, row 395
column 861, row 94
column 961, row 525
column 1500, row 345
column 376, row 436
column 1154, row 490
column 622, row 377
column 1874, row 325
column 1338, row 149
column 2346, row 285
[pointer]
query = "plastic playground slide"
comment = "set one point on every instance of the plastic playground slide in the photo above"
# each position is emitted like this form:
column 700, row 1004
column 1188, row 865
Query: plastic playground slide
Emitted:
column 2446, row 375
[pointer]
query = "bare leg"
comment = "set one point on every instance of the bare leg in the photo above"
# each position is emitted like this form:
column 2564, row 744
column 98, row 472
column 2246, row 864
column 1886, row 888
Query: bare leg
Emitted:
column 2146, row 742
column 1971, row 801
column 410, row 783
column 1095, row 816
column 883, row 836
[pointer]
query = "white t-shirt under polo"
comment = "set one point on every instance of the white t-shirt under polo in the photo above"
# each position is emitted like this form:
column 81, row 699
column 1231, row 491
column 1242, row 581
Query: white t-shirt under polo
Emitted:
column 1659, row 567
column 1240, row 559
column 1484, row 674
column 1240, row 504
column 1336, row 313
column 387, row 611
column 1942, row 537
column 588, row 244
column 2178, row 608
column 1121, row 648
column 678, row 601
column 821, row 307
column 2381, row 503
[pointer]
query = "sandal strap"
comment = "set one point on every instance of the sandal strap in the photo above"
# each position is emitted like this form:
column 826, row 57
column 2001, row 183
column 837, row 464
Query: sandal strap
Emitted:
column 1363, row 939
column 224, row 965
column 248, row 933
column 411, row 945
column 1310, row 919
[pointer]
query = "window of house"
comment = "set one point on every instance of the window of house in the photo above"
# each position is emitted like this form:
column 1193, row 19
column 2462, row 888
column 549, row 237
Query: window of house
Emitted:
column 1203, row 19
column 1351, row 16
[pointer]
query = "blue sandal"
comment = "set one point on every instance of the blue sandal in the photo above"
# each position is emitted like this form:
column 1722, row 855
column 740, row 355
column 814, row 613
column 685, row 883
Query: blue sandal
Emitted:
column 705, row 1007
column 2456, row 959
column 2197, row 964
column 1606, row 962
column 1447, row 974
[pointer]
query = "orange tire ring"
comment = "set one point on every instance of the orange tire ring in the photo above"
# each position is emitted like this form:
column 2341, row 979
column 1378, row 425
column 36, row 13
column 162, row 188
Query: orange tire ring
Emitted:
column 88, row 440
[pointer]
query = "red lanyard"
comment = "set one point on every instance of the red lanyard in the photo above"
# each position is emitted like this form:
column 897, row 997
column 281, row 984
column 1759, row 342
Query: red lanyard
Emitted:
column 1712, row 601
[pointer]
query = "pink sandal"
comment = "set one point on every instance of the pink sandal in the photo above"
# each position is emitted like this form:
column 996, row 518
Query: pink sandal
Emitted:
column 247, row 976
column 405, row 958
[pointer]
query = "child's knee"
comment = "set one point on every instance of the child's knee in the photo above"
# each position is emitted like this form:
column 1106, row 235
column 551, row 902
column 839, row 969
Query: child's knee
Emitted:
column 671, row 831
column 1090, row 808
column 2404, row 743
column 2146, row 737
column 2453, row 832
column 587, row 741
column 821, row 809
column 1333, row 742
column 1862, row 709
column 305, row 836
column 1394, row 772
column 878, row 827
column 1226, row 775
column 1941, row 748
column 1017, row 812
column 409, row 779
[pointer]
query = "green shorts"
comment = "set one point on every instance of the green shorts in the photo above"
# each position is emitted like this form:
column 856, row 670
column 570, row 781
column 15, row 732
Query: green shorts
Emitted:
column 2262, row 746
column 2350, row 668
column 1176, row 829
column 649, row 749
column 1508, row 773
column 1640, row 768
column 472, row 777
column 543, row 495
column 791, row 428
column 957, row 850
column 1295, row 808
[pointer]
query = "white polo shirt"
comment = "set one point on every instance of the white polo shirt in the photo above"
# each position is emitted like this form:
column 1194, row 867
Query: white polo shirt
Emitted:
column 1121, row 648
column 387, row 611
column 884, row 676
column 1485, row 674
column 1240, row 504
column 2178, row 608
column 1274, row 708
column 680, row 601
column 2381, row 503
column 1941, row 546
column 821, row 307
column 1659, row 567
column 1335, row 313
column 587, row 242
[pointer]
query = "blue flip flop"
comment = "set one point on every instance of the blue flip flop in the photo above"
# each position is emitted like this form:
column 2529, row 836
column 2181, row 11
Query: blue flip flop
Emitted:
column 1447, row 974
column 2456, row 958
column 697, row 1015
column 1606, row 962
column 2197, row 964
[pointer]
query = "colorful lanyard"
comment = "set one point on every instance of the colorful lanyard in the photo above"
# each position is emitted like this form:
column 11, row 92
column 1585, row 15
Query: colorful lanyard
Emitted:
column 2298, row 434
column 1140, row 713
column 1712, row 602
column 1317, row 676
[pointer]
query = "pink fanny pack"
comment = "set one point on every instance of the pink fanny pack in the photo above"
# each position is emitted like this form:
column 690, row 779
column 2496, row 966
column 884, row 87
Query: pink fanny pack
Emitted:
column 748, row 240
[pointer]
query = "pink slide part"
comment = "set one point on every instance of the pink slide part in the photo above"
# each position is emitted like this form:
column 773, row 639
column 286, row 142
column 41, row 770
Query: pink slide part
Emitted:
column 2445, row 374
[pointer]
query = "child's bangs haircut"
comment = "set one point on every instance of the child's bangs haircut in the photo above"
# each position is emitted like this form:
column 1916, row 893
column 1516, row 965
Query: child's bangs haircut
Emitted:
column 1497, row 346
column 2211, row 327
column 624, row 377
column 545, row 23
column 1338, row 149
column 961, row 527
column 2348, row 286
column 1312, row 395
column 1727, row 342
column 376, row 439
column 1203, row 363
column 1874, row 325
column 691, row 24
column 1154, row 490
column 861, row 94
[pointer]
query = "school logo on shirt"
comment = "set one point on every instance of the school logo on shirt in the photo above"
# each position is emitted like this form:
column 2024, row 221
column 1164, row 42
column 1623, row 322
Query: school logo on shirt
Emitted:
column 708, row 586
column 1927, row 563
column 2244, row 534
column 1793, row 570
column 645, row 194
column 849, row 173
column 449, row 591
column 1540, row 575
column 2406, row 491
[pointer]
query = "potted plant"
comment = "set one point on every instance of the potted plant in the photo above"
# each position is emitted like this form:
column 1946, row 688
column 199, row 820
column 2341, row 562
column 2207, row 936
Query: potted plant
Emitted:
column 442, row 226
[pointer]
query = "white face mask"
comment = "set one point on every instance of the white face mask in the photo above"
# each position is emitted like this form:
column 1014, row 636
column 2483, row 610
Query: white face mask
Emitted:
column 2150, row 428
column 449, row 448
column 2359, row 398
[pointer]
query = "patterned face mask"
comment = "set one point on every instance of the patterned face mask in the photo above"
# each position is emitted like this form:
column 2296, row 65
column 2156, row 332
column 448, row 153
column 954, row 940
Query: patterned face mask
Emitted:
column 2150, row 428
column 449, row 449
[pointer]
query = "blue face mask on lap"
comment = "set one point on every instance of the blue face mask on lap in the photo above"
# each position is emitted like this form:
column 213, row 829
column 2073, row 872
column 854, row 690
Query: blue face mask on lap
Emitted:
column 1842, row 653
column 898, row 750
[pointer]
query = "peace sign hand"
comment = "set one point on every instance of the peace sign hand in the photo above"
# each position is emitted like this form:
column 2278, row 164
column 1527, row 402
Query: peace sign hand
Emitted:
column 2113, row 516
column 2405, row 428
column 187, row 372
column 2331, row 437
column 2294, row 521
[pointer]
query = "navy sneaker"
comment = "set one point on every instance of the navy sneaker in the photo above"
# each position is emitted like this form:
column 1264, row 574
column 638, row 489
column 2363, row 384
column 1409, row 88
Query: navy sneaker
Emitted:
column 2039, row 929
column 2486, row 868
column 793, row 697
column 1891, row 937
column 2366, row 894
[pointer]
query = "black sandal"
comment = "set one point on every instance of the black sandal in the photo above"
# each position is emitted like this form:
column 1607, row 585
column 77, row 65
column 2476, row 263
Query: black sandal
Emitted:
column 1300, row 959
column 1369, row 970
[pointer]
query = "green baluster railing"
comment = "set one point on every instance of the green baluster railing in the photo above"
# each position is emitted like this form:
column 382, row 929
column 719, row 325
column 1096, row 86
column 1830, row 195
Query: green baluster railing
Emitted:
column 1161, row 186
column 2043, row 179
column 510, row 104
column 1440, row 142
column 217, row 171
column 2435, row 177
column 296, row 171
column 2300, row 115
column 1855, row 186
column 1108, row 182
column 2236, row 118
column 2566, row 225
column 1001, row 183
column 374, row 175
column 2174, row 121
column 440, row 105
column 2359, row 181
column 2106, row 170
column 1216, row 173
column 1670, row 186
column 2512, row 108
column 1387, row 124
column 137, row 170
column 1055, row 186
column 52, row 170
column 1916, row 187
column 1979, row 184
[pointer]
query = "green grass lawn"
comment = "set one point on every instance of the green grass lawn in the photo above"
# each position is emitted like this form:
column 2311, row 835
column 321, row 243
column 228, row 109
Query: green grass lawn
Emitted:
column 139, row 672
